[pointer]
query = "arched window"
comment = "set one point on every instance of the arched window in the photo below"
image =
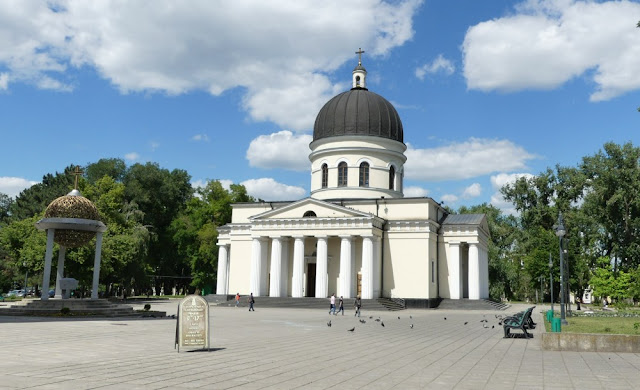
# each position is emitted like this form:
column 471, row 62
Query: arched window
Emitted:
column 309, row 214
column 357, row 81
column 364, row 174
column 342, row 174
column 325, row 175
column 392, row 177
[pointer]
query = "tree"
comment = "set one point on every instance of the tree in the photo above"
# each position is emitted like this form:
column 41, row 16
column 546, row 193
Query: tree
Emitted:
column 5, row 206
column 35, row 199
column 115, row 168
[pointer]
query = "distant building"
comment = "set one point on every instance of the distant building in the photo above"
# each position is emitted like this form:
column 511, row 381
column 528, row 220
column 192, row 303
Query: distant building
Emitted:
column 356, row 234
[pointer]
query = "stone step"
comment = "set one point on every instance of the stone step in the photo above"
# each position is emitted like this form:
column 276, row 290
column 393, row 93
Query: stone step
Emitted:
column 471, row 304
column 296, row 303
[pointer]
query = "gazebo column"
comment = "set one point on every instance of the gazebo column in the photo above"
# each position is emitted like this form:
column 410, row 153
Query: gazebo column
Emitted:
column 367, row 267
column 96, row 266
column 47, row 265
column 59, row 271
column 475, row 272
column 322, row 279
column 223, row 266
column 345, row 266
column 455, row 285
column 276, row 268
column 298, row 268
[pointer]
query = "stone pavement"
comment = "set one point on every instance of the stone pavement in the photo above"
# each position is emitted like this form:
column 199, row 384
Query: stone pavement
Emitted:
column 295, row 349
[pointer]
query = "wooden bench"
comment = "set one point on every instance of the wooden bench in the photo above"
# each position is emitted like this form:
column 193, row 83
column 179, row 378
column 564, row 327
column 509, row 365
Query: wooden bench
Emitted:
column 520, row 321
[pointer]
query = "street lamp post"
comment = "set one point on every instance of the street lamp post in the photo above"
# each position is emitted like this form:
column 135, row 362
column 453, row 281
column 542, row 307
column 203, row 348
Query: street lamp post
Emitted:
column 560, row 232
column 541, row 279
column 26, row 273
column 551, row 279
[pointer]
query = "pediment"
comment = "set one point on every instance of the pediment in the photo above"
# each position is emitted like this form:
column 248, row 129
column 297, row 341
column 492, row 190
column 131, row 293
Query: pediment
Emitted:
column 303, row 207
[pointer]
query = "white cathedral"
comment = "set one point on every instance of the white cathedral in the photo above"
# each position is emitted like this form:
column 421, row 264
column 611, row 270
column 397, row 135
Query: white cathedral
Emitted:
column 356, row 235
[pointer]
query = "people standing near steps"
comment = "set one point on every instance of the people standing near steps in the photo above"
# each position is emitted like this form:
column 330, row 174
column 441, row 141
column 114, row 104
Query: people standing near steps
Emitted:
column 332, row 304
column 340, row 306
column 251, row 302
column 358, row 305
column 237, row 299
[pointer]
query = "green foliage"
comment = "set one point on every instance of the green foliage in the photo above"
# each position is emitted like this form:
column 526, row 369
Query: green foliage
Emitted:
column 5, row 207
column 114, row 168
column 65, row 311
column 147, row 307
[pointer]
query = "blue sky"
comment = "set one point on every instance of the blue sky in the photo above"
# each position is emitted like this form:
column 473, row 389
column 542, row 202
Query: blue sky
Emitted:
column 486, row 90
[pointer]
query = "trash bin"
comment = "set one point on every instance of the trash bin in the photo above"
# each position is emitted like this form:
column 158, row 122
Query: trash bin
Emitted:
column 549, row 315
column 556, row 325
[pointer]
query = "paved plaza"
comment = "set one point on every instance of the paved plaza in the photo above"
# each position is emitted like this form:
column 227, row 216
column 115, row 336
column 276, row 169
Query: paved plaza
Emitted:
column 295, row 349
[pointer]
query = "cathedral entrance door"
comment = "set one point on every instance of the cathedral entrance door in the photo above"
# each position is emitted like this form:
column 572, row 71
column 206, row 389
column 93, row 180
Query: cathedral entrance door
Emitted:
column 311, row 280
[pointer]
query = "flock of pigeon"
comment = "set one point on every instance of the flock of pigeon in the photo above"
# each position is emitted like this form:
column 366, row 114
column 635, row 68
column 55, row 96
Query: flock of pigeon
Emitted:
column 484, row 322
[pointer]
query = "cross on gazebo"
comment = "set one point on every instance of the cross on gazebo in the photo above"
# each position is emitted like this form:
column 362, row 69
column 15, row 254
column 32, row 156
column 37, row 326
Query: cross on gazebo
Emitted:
column 77, row 172
column 359, row 53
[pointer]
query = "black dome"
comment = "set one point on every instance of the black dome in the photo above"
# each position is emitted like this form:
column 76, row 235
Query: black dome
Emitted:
column 358, row 112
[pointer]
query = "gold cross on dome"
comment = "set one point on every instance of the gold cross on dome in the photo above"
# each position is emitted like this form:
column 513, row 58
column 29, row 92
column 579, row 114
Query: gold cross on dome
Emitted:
column 359, row 53
column 77, row 172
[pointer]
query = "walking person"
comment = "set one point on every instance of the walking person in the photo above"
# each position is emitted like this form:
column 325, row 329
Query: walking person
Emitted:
column 332, row 304
column 237, row 299
column 251, row 302
column 358, row 305
column 340, row 306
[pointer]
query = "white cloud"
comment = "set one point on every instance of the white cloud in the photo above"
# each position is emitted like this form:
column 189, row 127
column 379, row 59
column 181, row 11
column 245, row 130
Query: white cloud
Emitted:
column 500, row 180
column 473, row 191
column 133, row 156
column 200, row 137
column 277, row 51
column 415, row 192
column 547, row 43
column 464, row 160
column 449, row 198
column 440, row 64
column 4, row 81
column 269, row 189
column 12, row 186
column 280, row 150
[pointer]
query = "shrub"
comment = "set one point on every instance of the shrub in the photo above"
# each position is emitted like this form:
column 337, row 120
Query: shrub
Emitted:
column 147, row 307
column 65, row 311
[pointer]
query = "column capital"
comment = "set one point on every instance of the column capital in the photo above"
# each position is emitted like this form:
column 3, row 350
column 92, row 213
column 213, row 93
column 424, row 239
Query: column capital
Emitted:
column 260, row 238
column 322, row 237
column 346, row 237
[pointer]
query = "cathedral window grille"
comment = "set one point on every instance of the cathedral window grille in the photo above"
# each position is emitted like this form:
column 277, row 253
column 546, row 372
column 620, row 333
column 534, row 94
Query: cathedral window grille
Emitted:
column 364, row 174
column 309, row 214
column 325, row 175
column 392, row 177
column 342, row 174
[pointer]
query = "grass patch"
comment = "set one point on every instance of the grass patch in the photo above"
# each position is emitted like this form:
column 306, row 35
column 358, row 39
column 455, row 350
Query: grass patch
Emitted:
column 601, row 325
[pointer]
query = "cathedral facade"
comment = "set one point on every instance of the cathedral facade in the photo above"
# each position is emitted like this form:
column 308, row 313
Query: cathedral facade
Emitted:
column 356, row 235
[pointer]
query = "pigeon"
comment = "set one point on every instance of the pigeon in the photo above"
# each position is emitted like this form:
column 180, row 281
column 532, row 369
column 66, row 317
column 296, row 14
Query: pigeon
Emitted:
column 398, row 317
column 410, row 317
column 363, row 321
column 329, row 324
column 352, row 329
column 445, row 318
column 377, row 319
column 382, row 323
column 492, row 326
column 466, row 322
column 370, row 317
column 411, row 326
column 484, row 326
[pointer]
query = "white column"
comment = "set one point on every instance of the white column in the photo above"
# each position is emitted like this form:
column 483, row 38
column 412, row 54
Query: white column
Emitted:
column 298, row 267
column 322, row 278
column 96, row 266
column 367, row 267
column 60, row 271
column 484, row 272
column 223, row 265
column 47, row 265
column 276, row 268
column 256, row 265
column 475, row 272
column 345, row 266
column 455, row 287
column 284, row 280
column 377, row 267
column 354, row 271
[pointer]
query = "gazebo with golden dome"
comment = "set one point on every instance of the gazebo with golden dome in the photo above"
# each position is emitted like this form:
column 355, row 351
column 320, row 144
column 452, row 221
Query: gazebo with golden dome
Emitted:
column 71, row 221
